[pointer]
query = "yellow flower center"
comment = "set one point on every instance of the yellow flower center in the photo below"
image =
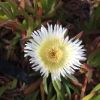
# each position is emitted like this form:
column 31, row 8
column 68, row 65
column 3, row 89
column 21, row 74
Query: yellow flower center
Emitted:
column 52, row 53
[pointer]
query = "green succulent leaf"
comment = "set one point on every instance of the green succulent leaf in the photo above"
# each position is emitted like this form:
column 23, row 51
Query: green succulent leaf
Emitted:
column 50, row 93
column 48, row 6
column 45, row 85
column 94, row 58
column 96, row 88
column 97, row 97
column 53, row 98
column 91, row 95
column 94, row 22
column 68, row 90
column 9, row 9
column 57, row 87
column 2, row 89
column 4, row 6
column 12, row 84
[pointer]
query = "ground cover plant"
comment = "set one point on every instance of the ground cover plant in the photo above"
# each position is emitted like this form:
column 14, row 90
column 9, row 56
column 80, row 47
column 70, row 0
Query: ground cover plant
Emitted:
column 49, row 50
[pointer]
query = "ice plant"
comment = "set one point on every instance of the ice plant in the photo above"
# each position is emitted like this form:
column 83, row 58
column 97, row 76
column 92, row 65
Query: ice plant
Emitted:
column 52, row 53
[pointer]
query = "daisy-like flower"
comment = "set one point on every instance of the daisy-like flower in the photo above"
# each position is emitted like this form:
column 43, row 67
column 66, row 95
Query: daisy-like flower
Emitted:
column 53, row 54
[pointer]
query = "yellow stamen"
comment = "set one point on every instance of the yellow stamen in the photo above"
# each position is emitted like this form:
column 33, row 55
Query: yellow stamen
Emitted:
column 54, row 55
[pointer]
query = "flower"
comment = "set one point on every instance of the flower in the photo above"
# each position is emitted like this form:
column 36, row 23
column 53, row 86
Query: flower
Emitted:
column 51, row 53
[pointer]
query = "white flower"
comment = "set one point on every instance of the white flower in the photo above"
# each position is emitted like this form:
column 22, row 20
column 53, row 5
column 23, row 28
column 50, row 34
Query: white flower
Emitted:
column 51, row 53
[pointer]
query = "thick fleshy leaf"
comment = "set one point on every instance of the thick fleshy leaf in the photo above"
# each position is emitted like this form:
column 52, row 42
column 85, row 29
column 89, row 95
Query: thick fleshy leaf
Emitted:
column 57, row 87
column 97, row 97
column 60, row 93
column 12, row 84
column 3, row 89
column 88, row 97
column 42, row 92
column 9, row 8
column 94, row 58
column 50, row 93
column 45, row 85
column 68, row 83
column 53, row 98
column 96, row 88
column 68, row 91
column 92, row 94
